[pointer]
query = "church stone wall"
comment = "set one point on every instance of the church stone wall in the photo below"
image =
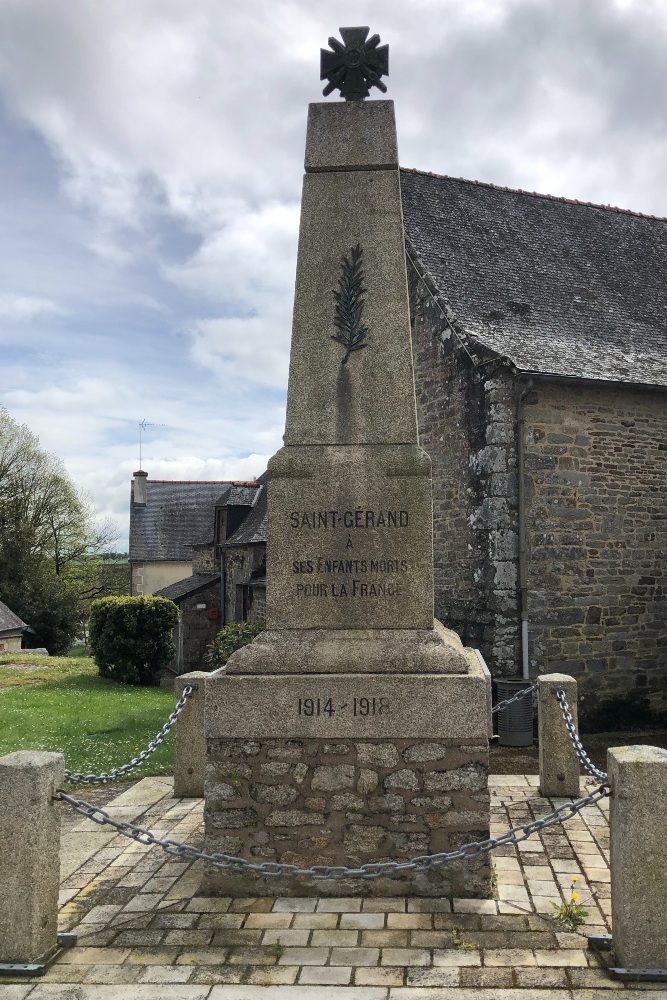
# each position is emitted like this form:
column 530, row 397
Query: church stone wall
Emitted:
column 596, row 520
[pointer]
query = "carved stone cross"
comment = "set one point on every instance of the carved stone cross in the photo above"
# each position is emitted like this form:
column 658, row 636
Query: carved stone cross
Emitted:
column 356, row 66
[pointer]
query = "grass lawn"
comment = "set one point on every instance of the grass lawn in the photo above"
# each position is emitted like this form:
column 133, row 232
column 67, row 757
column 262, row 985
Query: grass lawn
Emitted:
column 60, row 704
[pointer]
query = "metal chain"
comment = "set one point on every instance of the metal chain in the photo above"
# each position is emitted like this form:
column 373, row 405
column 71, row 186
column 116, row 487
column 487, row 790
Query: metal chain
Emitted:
column 101, row 779
column 515, row 697
column 366, row 871
column 576, row 742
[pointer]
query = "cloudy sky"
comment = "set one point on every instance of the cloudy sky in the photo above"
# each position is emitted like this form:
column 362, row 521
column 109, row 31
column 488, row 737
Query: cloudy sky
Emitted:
column 151, row 158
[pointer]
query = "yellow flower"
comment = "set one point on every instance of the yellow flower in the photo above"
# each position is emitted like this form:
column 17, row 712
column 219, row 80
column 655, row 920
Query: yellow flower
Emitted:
column 575, row 878
column 575, row 895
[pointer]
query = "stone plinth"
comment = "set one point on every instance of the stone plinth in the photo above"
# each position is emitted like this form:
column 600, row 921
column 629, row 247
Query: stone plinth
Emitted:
column 638, row 779
column 344, row 769
column 190, row 748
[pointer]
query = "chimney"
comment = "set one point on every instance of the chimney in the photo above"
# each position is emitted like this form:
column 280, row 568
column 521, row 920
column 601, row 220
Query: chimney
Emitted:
column 139, row 496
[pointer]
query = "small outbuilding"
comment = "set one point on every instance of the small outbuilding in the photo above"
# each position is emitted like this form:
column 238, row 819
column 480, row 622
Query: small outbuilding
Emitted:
column 11, row 630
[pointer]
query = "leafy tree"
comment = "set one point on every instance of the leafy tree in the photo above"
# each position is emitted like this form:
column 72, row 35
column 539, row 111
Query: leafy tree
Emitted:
column 46, row 527
column 131, row 637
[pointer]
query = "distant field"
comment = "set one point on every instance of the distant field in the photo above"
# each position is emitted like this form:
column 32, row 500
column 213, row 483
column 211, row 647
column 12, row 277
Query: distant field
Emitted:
column 60, row 704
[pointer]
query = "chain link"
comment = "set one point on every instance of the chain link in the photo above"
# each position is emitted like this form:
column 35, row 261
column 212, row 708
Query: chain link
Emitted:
column 515, row 697
column 101, row 779
column 576, row 742
column 370, row 870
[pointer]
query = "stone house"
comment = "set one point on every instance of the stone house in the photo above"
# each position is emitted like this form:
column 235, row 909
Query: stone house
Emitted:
column 540, row 350
column 194, row 543
column 11, row 630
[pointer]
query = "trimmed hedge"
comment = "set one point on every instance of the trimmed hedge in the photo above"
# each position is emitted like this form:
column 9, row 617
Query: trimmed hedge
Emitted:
column 131, row 637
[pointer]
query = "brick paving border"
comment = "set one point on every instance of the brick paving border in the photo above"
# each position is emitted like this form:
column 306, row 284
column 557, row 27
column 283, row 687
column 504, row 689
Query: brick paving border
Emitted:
column 144, row 932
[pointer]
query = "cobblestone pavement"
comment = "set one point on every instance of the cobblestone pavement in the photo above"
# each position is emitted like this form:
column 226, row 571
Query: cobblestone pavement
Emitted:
column 143, row 930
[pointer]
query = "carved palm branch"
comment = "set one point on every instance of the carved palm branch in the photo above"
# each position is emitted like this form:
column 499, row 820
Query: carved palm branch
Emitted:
column 349, row 304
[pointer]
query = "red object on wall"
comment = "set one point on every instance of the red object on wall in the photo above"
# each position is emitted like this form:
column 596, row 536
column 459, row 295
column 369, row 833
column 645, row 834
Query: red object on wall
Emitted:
column 213, row 613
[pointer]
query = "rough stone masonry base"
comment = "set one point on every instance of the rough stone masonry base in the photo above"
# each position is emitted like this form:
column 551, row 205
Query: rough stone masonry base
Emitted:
column 308, row 801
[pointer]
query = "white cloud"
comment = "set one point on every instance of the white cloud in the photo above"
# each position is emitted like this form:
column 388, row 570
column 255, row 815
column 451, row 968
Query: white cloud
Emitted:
column 23, row 308
column 149, row 212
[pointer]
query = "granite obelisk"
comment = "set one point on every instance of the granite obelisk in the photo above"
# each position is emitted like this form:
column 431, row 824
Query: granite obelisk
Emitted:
column 355, row 728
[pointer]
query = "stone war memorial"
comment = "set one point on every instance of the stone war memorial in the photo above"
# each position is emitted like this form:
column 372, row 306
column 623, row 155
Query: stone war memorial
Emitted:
column 355, row 728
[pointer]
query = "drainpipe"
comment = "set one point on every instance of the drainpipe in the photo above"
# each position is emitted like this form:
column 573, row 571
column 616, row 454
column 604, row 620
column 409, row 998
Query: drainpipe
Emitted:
column 523, row 584
column 223, row 596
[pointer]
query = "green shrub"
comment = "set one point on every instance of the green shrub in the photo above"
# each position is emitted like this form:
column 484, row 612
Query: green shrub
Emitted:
column 131, row 637
column 228, row 640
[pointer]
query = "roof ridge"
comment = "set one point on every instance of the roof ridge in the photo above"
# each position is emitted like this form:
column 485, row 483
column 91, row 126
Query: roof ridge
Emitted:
column 204, row 482
column 536, row 194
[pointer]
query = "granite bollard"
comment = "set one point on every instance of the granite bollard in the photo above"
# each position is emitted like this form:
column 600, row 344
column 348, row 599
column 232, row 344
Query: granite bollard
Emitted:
column 30, row 856
column 559, row 765
column 638, row 779
column 190, row 745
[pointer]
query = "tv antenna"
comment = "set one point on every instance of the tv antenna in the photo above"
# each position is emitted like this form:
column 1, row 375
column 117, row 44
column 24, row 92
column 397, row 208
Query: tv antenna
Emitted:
column 143, row 424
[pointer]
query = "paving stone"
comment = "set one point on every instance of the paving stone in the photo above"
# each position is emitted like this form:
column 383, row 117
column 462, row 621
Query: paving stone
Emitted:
column 194, row 938
column 174, row 921
column 432, row 977
column 429, row 906
column 488, row 979
column 509, row 957
column 431, row 939
column 362, row 921
column 593, row 979
column 295, row 905
column 266, row 920
column 252, row 905
column 219, row 921
column 474, row 906
column 231, row 937
column 283, row 975
column 253, row 956
column 112, row 974
column 541, row 978
column 455, row 958
column 214, row 975
column 315, row 920
column 334, row 939
column 339, row 905
column 304, row 956
column 355, row 956
column 167, row 974
column 143, row 901
column 378, row 977
column 405, row 956
column 409, row 921
column 568, row 957
column 325, row 975
column 141, row 938
column 204, row 904
column 101, row 914
column 390, row 904
column 286, row 936
column 94, row 956
column 210, row 956
column 153, row 956
column 384, row 939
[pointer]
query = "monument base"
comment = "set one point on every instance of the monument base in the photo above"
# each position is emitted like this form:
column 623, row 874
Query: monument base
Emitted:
column 348, row 768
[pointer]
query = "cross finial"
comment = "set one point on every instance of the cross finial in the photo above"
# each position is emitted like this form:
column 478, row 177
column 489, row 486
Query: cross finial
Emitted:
column 356, row 66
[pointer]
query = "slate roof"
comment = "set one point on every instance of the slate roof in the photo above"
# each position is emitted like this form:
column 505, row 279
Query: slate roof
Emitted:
column 241, row 496
column 176, row 516
column 8, row 620
column 182, row 588
column 559, row 287
column 253, row 528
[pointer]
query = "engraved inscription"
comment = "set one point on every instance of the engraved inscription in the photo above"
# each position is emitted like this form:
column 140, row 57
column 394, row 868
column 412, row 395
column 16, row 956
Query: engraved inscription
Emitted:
column 356, row 707
column 356, row 578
